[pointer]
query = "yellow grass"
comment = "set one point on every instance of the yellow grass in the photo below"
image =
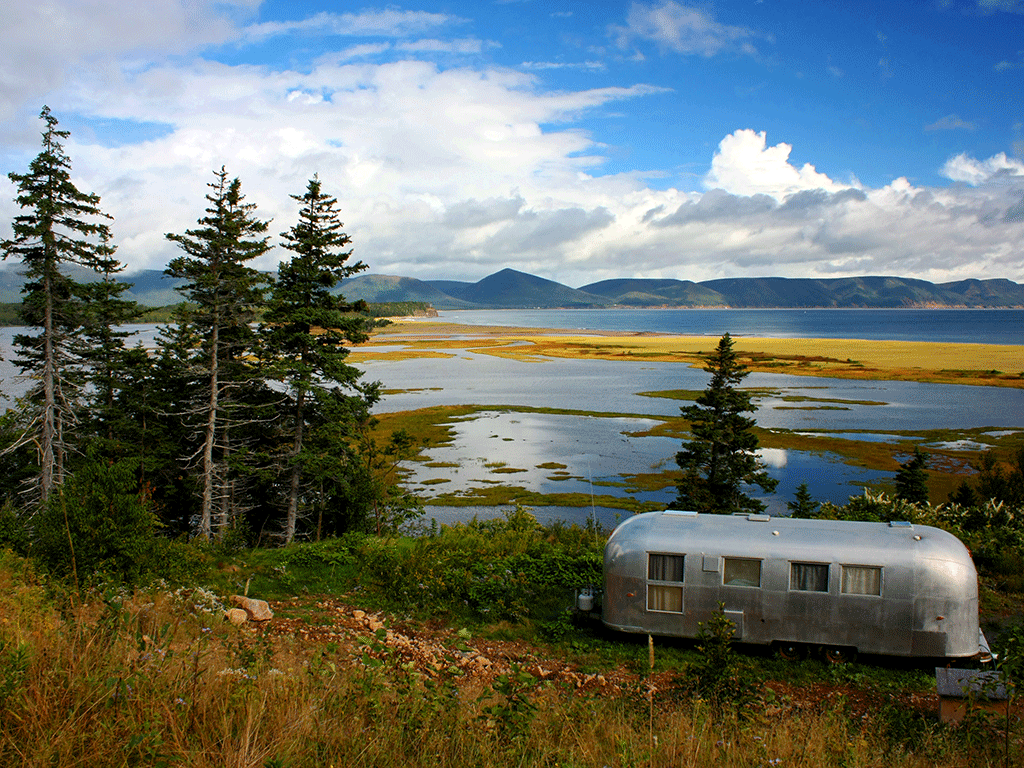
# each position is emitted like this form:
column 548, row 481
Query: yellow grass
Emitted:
column 978, row 364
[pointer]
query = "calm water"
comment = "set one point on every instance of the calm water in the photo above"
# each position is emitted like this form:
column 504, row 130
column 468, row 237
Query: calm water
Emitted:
column 601, row 449
column 597, row 452
column 986, row 326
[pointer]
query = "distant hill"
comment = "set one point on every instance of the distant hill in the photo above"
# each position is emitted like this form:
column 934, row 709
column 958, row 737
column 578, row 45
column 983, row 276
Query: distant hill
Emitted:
column 511, row 289
column 151, row 287
column 768, row 292
column 652, row 293
column 388, row 288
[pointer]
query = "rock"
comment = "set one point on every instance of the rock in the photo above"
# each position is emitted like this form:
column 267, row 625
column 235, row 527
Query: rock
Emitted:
column 256, row 610
column 374, row 625
column 236, row 616
column 358, row 615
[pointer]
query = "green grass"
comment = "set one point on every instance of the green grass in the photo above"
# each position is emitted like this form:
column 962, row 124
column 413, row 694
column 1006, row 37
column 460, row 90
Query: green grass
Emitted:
column 156, row 678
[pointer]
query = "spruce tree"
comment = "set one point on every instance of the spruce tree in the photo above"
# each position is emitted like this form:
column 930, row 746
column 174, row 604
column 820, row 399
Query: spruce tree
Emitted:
column 912, row 478
column 111, row 364
column 307, row 328
column 722, row 455
column 61, row 228
column 803, row 507
column 225, row 293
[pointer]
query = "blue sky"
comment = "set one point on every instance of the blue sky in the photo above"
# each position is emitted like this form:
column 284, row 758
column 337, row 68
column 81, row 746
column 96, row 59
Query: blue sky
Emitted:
column 576, row 141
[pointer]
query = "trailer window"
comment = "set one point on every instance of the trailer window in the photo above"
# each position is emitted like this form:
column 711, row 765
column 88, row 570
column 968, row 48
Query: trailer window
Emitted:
column 741, row 572
column 808, row 577
column 664, row 574
column 665, row 567
column 862, row 580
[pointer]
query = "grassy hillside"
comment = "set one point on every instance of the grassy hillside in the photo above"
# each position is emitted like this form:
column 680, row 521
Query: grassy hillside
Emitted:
column 449, row 649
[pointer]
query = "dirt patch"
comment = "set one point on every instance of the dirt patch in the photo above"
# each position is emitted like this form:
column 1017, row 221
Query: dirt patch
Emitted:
column 479, row 661
column 356, row 631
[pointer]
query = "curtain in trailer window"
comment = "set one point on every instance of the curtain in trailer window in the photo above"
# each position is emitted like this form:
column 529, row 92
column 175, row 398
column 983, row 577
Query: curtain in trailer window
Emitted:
column 665, row 567
column 808, row 577
column 664, row 598
column 862, row 580
column 661, row 596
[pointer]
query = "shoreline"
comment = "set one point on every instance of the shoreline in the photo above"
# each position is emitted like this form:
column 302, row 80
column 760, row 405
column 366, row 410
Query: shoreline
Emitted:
column 992, row 365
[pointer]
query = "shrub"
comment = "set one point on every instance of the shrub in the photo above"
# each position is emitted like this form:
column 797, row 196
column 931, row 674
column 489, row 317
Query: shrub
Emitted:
column 97, row 525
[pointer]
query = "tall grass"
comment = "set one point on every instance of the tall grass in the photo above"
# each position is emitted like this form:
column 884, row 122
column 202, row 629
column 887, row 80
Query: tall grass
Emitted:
column 159, row 679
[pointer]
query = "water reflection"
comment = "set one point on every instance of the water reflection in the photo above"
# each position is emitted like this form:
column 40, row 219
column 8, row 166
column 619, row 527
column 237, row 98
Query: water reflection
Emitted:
column 558, row 453
column 597, row 448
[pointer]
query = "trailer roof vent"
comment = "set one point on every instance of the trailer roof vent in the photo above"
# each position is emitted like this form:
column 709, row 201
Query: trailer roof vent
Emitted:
column 759, row 518
column 900, row 524
column 682, row 512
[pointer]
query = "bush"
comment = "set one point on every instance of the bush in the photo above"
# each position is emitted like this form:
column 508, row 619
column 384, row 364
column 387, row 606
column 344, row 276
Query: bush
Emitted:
column 97, row 525
column 510, row 568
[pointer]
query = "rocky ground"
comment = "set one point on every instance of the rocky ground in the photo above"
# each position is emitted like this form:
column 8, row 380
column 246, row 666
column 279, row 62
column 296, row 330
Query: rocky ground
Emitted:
column 329, row 620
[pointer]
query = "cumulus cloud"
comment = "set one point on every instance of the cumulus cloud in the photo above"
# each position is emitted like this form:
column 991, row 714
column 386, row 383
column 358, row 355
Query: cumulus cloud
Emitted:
column 745, row 165
column 1015, row 212
column 477, row 213
column 42, row 41
column 974, row 172
column 458, row 171
column 680, row 29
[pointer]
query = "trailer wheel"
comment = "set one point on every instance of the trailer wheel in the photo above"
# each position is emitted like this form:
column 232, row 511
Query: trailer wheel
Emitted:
column 791, row 651
column 840, row 655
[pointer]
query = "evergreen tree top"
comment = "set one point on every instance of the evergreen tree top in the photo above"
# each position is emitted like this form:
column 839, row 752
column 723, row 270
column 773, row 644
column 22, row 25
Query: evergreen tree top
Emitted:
column 56, row 227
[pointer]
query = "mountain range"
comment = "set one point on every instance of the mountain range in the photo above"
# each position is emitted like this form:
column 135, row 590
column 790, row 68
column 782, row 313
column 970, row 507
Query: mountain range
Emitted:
column 510, row 289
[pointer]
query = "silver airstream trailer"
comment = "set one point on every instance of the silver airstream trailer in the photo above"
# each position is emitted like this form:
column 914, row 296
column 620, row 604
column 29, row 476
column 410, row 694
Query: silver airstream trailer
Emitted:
column 845, row 587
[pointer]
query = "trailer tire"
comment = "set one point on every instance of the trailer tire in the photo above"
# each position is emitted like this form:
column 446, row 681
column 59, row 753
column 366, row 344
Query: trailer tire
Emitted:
column 839, row 654
column 791, row 651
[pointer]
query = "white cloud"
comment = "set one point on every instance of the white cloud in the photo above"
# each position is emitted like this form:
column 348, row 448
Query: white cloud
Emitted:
column 390, row 22
column 974, row 172
column 458, row 171
column 681, row 29
column 42, row 41
column 951, row 123
column 745, row 165
column 463, row 46
column 542, row 65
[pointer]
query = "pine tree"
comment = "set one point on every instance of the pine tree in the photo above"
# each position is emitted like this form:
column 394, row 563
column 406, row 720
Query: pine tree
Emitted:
column 61, row 228
column 721, row 457
column 912, row 478
column 308, row 326
column 803, row 507
column 108, row 359
column 226, row 294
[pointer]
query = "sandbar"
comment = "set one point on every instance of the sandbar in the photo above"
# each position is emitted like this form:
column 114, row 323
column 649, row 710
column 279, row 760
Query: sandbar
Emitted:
column 933, row 362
